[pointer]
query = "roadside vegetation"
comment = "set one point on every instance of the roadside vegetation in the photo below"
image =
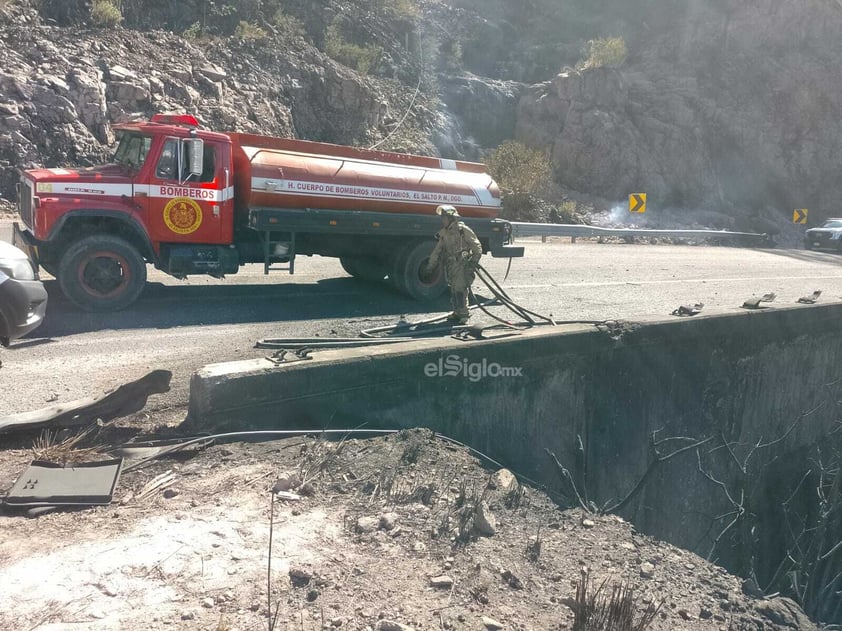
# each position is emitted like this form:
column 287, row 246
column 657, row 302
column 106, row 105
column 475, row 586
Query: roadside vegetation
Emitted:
column 105, row 14
column 521, row 169
column 362, row 58
column 604, row 52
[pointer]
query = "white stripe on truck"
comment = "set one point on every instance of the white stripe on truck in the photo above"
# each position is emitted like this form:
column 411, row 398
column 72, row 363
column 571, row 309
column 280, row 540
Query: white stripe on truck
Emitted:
column 162, row 191
column 481, row 197
column 83, row 188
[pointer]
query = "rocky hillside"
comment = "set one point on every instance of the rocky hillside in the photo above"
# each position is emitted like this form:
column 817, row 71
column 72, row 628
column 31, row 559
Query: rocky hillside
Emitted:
column 725, row 105
column 61, row 89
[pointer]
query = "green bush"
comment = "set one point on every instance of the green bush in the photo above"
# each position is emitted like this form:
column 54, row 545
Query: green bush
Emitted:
column 608, row 52
column 361, row 58
column 520, row 169
column 247, row 30
column 287, row 25
column 406, row 9
column 105, row 14
column 194, row 31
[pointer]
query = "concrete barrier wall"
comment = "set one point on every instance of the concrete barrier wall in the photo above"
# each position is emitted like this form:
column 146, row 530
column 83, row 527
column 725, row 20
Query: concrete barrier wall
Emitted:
column 593, row 397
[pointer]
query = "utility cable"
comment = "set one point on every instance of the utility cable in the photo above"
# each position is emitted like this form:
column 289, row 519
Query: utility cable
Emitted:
column 411, row 103
column 288, row 433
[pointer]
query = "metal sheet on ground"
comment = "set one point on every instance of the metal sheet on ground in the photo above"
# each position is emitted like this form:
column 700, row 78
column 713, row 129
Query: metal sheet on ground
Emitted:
column 50, row 484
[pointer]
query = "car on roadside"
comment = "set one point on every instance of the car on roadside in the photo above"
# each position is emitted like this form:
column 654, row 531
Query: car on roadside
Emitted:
column 23, row 299
column 827, row 236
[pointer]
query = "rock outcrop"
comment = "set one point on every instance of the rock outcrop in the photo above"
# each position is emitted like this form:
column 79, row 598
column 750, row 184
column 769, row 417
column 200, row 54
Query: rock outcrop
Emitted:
column 62, row 89
column 732, row 104
column 487, row 107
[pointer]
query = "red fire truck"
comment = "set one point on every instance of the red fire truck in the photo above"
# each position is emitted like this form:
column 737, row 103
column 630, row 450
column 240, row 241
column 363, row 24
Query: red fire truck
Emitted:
column 192, row 201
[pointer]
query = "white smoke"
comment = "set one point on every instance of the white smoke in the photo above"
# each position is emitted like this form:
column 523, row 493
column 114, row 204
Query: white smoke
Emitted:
column 619, row 217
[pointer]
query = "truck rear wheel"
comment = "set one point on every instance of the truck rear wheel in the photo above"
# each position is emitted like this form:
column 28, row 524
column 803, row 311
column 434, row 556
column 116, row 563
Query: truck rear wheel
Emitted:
column 407, row 272
column 366, row 269
column 102, row 273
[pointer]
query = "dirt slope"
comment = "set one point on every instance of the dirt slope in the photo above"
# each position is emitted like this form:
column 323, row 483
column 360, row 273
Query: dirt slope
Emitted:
column 381, row 518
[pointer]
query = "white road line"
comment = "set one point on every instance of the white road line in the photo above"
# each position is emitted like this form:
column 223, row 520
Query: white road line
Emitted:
column 677, row 280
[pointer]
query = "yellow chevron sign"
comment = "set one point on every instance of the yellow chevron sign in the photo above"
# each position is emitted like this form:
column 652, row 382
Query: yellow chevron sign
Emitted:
column 799, row 216
column 637, row 203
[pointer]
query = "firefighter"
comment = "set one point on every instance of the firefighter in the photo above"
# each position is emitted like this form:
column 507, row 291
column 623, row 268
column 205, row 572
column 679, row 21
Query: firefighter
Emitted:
column 459, row 250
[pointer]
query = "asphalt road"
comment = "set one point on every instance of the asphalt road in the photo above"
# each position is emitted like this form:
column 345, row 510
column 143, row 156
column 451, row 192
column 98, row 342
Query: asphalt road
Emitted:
column 183, row 325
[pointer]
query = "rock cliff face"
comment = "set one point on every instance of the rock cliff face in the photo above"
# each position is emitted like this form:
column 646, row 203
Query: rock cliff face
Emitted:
column 724, row 104
column 729, row 104
column 62, row 88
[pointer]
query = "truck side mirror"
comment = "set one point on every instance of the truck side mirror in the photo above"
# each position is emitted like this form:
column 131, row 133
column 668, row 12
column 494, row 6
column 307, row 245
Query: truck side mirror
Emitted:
column 197, row 155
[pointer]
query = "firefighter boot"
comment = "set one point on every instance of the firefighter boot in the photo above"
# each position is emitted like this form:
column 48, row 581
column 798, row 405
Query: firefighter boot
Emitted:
column 459, row 302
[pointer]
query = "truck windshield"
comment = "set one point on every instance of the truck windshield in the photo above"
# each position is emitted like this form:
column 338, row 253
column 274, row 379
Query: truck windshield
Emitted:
column 132, row 151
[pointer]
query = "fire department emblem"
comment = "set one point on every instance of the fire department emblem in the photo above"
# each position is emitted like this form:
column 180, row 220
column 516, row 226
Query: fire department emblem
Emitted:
column 182, row 215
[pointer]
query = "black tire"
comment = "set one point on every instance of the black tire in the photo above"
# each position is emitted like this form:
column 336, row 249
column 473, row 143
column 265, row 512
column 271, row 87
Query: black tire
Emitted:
column 366, row 269
column 397, row 262
column 350, row 266
column 102, row 273
column 407, row 272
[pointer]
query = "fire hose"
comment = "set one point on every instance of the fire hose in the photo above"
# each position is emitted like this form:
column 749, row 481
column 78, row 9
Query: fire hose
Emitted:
column 407, row 331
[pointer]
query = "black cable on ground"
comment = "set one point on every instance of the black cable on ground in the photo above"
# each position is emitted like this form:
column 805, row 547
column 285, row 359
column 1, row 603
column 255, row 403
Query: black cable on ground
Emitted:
column 501, row 294
column 482, row 307
column 495, row 287
column 393, row 327
column 288, row 433
column 504, row 298
column 293, row 343
column 500, row 297
column 269, row 433
column 410, row 330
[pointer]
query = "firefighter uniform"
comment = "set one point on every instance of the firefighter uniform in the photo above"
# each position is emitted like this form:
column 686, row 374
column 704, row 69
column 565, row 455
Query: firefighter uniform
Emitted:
column 459, row 250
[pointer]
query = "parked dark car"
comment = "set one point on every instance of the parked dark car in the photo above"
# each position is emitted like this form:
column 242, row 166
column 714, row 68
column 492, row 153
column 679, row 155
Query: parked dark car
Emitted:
column 23, row 299
column 827, row 236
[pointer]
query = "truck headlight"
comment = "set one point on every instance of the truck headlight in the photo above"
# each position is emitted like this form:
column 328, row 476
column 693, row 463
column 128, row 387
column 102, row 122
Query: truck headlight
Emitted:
column 19, row 269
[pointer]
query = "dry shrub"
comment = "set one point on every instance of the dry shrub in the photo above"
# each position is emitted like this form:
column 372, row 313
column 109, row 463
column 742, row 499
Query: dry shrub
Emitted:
column 595, row 609
column 520, row 169
column 48, row 446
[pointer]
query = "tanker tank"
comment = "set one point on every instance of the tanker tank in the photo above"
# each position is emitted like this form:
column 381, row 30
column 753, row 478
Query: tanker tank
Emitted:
column 284, row 173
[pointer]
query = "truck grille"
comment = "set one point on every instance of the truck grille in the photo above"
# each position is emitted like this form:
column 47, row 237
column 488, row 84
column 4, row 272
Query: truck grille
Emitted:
column 25, row 204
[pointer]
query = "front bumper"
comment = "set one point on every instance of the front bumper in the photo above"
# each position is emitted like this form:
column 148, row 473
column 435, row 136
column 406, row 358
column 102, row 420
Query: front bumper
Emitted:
column 23, row 304
column 23, row 240
column 822, row 241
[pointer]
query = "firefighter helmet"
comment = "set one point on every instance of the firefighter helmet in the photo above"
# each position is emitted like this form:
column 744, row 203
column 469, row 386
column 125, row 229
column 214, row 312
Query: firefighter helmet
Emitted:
column 448, row 210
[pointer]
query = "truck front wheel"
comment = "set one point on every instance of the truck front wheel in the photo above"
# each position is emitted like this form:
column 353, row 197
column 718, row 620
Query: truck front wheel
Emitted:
column 102, row 273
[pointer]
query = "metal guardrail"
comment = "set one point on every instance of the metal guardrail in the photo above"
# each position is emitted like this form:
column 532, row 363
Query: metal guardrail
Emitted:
column 521, row 229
